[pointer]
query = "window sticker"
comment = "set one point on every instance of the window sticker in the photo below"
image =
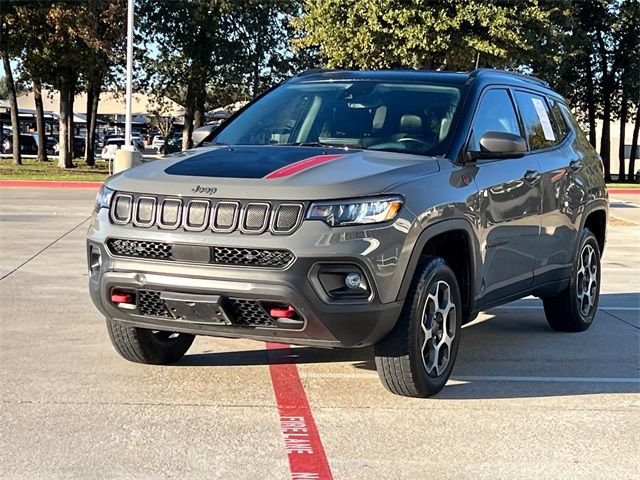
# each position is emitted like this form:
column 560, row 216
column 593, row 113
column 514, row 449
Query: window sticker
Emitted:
column 544, row 119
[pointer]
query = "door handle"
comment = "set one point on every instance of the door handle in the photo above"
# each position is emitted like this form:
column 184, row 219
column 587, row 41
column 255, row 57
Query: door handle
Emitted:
column 575, row 165
column 532, row 176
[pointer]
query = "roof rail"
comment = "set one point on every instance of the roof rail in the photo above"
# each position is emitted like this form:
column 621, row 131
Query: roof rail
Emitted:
column 527, row 78
column 316, row 70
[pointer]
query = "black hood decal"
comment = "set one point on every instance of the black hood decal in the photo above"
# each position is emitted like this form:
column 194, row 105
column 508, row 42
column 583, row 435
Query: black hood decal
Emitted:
column 246, row 162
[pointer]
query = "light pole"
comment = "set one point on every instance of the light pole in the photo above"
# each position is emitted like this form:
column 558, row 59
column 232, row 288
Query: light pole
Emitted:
column 127, row 122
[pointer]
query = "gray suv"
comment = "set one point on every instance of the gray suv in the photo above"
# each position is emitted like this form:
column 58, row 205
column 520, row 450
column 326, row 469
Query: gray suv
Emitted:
column 350, row 208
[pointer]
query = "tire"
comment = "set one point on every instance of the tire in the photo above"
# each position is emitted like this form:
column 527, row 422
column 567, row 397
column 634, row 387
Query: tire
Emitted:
column 151, row 347
column 575, row 307
column 401, row 365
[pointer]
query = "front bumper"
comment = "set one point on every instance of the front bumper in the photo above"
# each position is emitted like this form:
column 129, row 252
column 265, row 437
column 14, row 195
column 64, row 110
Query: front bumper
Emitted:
column 379, row 253
column 345, row 324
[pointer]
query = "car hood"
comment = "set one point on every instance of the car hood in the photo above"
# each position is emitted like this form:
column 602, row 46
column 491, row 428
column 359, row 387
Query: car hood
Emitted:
column 274, row 172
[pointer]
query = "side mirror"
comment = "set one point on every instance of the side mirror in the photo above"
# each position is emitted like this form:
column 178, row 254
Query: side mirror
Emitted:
column 203, row 134
column 499, row 145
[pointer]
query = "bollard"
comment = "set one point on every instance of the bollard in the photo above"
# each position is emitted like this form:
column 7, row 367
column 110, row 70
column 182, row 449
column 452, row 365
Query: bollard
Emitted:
column 126, row 159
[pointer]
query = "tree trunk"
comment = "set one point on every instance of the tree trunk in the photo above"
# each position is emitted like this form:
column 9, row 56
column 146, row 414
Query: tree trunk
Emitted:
column 608, row 85
column 42, row 138
column 198, row 114
column 624, row 108
column 71, row 126
column 634, row 146
column 93, row 97
column 64, row 160
column 189, row 108
column 591, row 107
column 13, row 103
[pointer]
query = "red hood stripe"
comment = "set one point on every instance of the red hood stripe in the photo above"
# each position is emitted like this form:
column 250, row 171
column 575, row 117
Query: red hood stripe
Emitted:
column 303, row 165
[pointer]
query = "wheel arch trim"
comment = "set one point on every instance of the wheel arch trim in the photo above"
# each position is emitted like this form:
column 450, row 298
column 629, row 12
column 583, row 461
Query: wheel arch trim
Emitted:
column 430, row 232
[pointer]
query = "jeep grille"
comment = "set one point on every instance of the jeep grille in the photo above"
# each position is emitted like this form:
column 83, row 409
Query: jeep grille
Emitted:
column 220, row 216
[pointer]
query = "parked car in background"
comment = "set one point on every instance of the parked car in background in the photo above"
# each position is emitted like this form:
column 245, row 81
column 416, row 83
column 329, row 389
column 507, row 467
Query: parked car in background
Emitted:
column 110, row 148
column 28, row 144
column 138, row 142
column 113, row 144
column 51, row 144
column 157, row 142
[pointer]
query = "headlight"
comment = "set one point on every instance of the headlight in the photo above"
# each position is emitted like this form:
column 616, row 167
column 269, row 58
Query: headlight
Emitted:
column 103, row 199
column 356, row 211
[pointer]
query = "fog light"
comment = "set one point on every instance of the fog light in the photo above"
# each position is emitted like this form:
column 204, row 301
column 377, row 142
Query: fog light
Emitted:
column 353, row 280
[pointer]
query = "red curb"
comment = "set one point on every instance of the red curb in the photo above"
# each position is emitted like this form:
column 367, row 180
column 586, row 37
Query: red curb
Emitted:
column 49, row 184
column 301, row 438
column 625, row 191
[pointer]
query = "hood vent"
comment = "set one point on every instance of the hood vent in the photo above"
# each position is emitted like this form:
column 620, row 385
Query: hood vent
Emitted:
column 199, row 215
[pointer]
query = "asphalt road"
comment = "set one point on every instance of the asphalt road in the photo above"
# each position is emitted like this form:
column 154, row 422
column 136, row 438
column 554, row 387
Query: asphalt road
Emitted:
column 524, row 402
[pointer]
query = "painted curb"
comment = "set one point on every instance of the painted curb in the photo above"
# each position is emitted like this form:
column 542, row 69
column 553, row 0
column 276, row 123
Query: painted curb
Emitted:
column 625, row 191
column 49, row 184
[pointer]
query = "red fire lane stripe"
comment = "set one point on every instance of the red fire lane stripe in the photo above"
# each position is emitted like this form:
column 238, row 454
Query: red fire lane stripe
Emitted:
column 303, row 165
column 49, row 184
column 307, row 459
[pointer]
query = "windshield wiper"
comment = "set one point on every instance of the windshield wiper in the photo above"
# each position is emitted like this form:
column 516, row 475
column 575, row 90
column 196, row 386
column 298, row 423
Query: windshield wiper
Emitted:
column 317, row 144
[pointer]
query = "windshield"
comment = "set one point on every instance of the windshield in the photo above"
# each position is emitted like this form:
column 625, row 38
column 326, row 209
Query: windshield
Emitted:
column 400, row 117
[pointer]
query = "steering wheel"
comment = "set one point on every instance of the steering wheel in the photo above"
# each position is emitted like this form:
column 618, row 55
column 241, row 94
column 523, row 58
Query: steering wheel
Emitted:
column 416, row 140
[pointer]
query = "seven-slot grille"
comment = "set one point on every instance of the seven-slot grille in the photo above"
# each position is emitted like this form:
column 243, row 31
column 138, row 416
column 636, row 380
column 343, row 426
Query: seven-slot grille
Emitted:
column 233, row 256
column 244, row 312
column 220, row 216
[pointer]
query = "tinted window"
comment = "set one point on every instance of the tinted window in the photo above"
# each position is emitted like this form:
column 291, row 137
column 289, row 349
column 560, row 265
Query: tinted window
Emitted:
column 559, row 123
column 536, row 118
column 495, row 114
column 403, row 117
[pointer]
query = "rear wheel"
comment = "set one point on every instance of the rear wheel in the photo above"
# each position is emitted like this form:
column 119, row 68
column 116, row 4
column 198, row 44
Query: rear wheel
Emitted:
column 152, row 347
column 417, row 356
column 574, row 309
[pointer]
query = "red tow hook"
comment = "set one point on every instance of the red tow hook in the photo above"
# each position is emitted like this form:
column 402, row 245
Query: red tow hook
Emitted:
column 288, row 312
column 121, row 297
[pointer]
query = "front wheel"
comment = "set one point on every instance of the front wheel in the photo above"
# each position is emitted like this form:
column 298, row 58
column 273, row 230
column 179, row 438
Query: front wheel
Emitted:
column 153, row 347
column 417, row 357
column 574, row 309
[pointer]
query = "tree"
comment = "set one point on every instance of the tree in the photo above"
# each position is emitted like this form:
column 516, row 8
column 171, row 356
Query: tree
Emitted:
column 10, row 45
column 436, row 34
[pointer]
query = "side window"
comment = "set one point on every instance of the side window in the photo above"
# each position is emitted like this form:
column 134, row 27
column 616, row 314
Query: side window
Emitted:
column 558, row 122
column 495, row 114
column 536, row 118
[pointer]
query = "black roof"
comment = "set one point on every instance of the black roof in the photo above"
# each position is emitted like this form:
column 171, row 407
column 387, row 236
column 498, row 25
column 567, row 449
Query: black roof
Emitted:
column 485, row 75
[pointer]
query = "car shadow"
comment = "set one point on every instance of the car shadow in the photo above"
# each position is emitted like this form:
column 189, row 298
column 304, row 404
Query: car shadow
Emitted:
column 505, row 343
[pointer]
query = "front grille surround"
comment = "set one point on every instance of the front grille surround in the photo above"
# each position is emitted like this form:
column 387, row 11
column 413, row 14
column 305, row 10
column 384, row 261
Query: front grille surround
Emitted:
column 218, row 255
column 144, row 202
column 232, row 223
column 255, row 218
column 189, row 224
column 252, row 217
column 167, row 203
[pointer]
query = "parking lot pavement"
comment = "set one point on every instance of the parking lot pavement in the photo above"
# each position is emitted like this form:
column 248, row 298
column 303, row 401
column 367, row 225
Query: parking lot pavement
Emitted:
column 524, row 402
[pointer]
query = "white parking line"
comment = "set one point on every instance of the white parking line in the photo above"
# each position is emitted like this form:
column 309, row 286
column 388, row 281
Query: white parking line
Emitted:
column 533, row 307
column 481, row 378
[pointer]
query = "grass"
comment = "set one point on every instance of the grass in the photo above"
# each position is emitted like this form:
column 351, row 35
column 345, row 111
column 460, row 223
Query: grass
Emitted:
column 623, row 185
column 34, row 170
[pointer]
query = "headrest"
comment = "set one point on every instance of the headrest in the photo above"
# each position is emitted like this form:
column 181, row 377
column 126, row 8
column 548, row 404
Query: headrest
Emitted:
column 410, row 123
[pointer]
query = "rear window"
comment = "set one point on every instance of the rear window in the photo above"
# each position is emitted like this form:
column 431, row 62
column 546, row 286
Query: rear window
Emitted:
column 118, row 141
column 536, row 118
